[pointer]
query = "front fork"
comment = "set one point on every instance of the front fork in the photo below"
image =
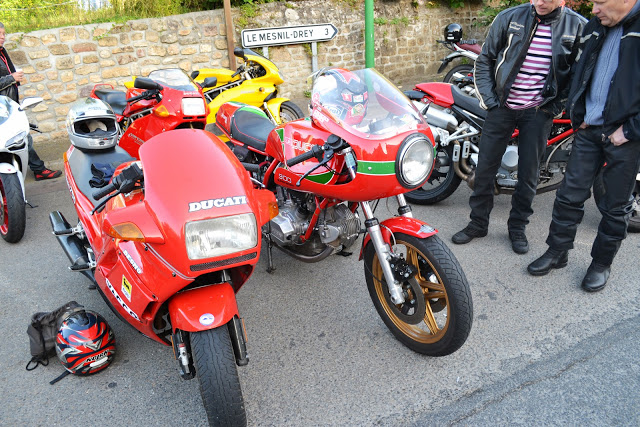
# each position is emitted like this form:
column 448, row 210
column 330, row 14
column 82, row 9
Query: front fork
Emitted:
column 383, row 250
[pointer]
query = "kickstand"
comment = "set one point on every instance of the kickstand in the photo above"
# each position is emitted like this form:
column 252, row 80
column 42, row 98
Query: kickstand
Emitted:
column 270, row 267
column 30, row 205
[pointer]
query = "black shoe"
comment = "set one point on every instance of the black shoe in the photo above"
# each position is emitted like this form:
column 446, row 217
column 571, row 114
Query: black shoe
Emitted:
column 596, row 277
column 467, row 234
column 550, row 259
column 519, row 242
column 46, row 174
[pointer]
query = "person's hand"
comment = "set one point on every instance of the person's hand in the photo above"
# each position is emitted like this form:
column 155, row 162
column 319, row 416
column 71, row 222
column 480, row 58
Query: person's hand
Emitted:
column 18, row 76
column 584, row 125
column 617, row 138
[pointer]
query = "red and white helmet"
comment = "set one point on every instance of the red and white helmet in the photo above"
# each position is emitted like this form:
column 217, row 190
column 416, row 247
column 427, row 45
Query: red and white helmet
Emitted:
column 85, row 343
column 341, row 93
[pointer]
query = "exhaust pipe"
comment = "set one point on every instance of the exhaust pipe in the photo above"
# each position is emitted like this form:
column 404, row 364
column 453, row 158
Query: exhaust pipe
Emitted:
column 71, row 244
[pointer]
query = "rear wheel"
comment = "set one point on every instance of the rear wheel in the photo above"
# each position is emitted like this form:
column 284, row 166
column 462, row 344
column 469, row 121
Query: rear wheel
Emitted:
column 437, row 314
column 460, row 75
column 289, row 111
column 442, row 182
column 216, row 369
column 12, row 214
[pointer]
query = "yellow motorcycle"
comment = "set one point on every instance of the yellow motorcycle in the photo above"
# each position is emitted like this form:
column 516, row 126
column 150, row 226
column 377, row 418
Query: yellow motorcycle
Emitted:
column 253, row 83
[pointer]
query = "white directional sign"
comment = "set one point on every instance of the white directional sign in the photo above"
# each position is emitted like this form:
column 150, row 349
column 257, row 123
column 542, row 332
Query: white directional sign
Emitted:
column 288, row 35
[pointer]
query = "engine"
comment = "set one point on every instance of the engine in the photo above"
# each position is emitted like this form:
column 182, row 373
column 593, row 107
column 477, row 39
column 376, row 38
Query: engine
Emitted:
column 337, row 226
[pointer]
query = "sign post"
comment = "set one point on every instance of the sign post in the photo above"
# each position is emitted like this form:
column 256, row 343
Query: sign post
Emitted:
column 300, row 34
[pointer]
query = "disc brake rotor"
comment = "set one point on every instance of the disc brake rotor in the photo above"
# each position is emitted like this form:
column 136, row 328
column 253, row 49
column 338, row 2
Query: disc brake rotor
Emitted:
column 414, row 308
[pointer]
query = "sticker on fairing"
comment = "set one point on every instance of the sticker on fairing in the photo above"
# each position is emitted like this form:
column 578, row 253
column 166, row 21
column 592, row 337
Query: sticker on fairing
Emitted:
column 207, row 319
column 126, row 288
column 120, row 301
column 217, row 203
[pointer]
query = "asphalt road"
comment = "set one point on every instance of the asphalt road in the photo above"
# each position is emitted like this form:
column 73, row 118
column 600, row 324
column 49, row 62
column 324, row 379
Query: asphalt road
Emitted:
column 541, row 351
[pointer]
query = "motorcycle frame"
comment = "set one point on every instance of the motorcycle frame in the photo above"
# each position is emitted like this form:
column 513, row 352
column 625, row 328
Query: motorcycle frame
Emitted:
column 458, row 52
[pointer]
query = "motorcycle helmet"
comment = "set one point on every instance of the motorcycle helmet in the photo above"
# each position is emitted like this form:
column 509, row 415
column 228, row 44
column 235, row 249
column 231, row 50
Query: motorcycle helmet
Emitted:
column 85, row 343
column 343, row 94
column 453, row 33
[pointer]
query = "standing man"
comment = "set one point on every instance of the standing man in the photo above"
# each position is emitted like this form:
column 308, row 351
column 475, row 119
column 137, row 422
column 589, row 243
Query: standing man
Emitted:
column 10, row 79
column 604, row 104
column 521, row 78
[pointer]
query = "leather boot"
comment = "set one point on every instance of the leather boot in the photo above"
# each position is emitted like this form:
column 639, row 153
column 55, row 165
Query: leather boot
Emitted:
column 596, row 277
column 550, row 259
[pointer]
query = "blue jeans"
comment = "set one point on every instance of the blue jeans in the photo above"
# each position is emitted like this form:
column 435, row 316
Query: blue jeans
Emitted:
column 534, row 125
column 35, row 163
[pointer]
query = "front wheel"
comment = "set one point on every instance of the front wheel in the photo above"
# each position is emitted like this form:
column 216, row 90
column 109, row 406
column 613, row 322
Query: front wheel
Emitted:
column 12, row 214
column 216, row 369
column 439, row 284
column 289, row 111
column 442, row 182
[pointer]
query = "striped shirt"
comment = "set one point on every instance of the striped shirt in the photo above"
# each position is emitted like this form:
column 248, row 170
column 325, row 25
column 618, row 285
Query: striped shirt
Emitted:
column 526, row 91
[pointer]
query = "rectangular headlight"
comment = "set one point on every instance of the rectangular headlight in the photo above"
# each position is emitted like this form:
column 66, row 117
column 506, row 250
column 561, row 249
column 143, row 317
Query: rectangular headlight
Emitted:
column 193, row 106
column 221, row 236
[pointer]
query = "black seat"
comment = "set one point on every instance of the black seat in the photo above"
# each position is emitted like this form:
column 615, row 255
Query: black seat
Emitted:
column 468, row 102
column 115, row 98
column 251, row 129
column 80, row 162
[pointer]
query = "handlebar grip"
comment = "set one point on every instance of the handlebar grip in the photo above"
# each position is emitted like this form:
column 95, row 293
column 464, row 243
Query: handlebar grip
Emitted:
column 315, row 150
column 99, row 194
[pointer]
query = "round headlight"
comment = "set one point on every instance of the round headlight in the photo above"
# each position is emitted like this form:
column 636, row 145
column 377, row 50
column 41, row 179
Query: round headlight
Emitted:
column 414, row 161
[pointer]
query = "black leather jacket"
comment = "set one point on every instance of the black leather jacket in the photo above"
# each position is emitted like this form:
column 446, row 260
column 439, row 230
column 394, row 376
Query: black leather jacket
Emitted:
column 8, row 85
column 623, row 101
column 506, row 46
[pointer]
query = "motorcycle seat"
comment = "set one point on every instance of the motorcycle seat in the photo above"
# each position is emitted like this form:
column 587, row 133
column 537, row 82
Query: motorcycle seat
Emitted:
column 251, row 129
column 80, row 162
column 115, row 98
column 469, row 103
column 414, row 95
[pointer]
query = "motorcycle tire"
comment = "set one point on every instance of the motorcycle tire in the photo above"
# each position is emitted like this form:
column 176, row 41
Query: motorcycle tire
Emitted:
column 289, row 111
column 463, row 70
column 449, row 308
column 442, row 182
column 12, row 208
column 634, row 220
column 216, row 370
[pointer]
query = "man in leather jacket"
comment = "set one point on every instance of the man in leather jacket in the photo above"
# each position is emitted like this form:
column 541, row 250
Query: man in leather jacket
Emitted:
column 604, row 105
column 10, row 79
column 521, row 78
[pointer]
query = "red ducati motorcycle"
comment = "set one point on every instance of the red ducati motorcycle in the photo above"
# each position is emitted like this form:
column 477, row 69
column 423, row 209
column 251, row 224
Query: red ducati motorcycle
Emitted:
column 168, row 251
column 456, row 120
column 167, row 99
column 364, row 141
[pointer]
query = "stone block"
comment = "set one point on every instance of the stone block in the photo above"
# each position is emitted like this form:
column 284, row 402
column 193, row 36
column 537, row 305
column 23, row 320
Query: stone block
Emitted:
column 48, row 38
column 108, row 41
column 44, row 65
column 84, row 47
column 18, row 57
column 87, row 69
column 90, row 59
column 67, row 34
column 115, row 72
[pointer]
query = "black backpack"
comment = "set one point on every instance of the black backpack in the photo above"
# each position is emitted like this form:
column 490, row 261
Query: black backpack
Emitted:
column 42, row 331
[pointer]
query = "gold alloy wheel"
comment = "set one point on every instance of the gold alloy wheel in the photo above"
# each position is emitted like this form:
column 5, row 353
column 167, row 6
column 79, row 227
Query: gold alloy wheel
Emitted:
column 436, row 320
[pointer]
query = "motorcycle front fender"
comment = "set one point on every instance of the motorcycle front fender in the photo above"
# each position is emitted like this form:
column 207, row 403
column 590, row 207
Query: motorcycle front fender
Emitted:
column 273, row 107
column 203, row 308
column 400, row 224
column 8, row 169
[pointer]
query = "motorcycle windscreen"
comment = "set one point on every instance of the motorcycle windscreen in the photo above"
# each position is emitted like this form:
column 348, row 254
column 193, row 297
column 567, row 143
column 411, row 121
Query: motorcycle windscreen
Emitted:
column 362, row 103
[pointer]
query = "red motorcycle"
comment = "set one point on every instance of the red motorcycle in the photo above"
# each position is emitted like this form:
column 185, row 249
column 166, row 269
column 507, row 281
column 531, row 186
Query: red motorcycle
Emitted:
column 467, row 50
column 364, row 141
column 168, row 251
column 456, row 119
column 167, row 99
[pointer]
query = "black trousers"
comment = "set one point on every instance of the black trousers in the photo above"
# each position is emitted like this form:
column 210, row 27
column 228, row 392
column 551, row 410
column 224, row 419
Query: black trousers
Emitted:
column 35, row 163
column 588, row 154
column 534, row 126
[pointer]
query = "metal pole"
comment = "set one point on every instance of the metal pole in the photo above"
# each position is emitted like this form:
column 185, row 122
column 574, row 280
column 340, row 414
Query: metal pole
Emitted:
column 229, row 27
column 369, row 58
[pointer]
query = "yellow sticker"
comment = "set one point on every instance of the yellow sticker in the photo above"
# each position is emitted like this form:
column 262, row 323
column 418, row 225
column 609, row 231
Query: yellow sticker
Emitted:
column 126, row 288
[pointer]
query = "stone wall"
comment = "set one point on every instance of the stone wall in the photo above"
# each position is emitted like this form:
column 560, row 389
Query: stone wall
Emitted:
column 63, row 64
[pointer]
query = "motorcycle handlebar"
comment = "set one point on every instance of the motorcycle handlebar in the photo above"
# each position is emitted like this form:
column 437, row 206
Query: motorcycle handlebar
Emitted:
column 99, row 194
column 316, row 151
column 144, row 95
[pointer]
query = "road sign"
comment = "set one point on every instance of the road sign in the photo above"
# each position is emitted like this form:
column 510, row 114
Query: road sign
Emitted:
column 288, row 35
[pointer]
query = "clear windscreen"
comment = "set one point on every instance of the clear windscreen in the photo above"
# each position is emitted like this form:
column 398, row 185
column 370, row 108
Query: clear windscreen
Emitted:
column 174, row 78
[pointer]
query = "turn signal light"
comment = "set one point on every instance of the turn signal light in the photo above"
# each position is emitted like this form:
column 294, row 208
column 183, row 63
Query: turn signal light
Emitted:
column 161, row 111
column 126, row 231
column 273, row 210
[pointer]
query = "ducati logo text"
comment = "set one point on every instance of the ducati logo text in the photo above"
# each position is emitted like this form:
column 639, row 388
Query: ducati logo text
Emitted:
column 217, row 203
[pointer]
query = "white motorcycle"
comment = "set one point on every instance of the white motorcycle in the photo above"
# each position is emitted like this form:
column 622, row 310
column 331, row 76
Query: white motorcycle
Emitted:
column 14, row 158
